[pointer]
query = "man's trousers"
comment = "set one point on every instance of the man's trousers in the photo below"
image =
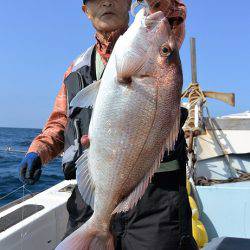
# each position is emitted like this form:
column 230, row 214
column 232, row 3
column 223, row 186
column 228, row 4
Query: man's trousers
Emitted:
column 161, row 220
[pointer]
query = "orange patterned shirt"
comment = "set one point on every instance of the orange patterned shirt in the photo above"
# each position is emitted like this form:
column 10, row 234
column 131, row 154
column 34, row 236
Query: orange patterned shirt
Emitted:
column 50, row 143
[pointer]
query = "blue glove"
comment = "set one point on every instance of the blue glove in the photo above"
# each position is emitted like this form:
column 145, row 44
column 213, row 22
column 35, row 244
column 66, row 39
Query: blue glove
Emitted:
column 30, row 168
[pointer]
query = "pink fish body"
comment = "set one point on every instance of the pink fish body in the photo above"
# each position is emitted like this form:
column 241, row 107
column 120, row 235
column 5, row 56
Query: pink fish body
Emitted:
column 135, row 119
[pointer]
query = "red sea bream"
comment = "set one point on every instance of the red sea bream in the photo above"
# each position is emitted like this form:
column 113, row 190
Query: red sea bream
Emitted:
column 135, row 119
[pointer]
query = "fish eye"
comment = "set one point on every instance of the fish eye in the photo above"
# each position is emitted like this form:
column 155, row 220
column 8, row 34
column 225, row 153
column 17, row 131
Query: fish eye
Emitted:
column 165, row 50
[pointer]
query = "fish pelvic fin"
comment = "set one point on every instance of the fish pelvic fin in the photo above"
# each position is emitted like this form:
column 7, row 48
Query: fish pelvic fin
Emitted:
column 86, row 97
column 139, row 191
column 88, row 237
column 84, row 179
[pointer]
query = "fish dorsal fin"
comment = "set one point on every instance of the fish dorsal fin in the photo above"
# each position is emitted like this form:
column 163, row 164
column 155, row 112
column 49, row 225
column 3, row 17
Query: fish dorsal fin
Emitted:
column 139, row 191
column 84, row 180
column 86, row 97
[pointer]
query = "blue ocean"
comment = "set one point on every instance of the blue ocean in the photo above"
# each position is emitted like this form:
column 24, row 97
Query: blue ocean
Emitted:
column 14, row 142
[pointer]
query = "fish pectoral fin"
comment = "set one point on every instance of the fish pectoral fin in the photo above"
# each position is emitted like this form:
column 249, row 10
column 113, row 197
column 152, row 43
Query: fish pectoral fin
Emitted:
column 86, row 97
column 127, row 66
column 84, row 179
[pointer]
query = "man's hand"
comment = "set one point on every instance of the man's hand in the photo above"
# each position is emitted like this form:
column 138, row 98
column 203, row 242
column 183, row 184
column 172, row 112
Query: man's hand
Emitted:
column 30, row 168
column 85, row 141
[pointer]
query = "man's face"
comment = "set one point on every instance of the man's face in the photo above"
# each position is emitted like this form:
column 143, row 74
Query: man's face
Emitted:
column 108, row 15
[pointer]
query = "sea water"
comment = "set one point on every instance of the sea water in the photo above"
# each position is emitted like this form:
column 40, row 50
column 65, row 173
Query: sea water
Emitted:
column 14, row 142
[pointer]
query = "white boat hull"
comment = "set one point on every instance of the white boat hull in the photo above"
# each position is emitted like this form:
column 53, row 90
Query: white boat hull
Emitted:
column 44, row 229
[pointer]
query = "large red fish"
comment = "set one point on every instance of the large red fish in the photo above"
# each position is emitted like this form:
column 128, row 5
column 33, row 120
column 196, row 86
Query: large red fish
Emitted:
column 135, row 119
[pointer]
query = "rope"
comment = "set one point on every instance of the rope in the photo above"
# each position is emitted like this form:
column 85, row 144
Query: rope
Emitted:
column 195, row 99
column 194, row 94
column 225, row 154
column 203, row 181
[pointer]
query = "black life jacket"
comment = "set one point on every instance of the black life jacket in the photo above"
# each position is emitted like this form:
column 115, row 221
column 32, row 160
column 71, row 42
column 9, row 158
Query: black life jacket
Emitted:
column 83, row 74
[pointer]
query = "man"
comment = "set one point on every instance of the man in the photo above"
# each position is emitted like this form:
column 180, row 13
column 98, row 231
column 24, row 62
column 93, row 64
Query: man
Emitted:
column 162, row 218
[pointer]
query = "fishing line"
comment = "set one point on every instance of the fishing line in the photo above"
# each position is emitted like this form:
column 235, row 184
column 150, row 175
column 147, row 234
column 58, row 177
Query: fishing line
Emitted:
column 12, row 192
column 22, row 215
column 22, row 236
column 15, row 190
column 11, row 150
column 28, row 190
column 26, row 232
column 24, row 188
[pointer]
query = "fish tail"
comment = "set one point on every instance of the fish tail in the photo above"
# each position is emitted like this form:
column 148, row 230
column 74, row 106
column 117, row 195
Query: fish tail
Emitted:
column 88, row 237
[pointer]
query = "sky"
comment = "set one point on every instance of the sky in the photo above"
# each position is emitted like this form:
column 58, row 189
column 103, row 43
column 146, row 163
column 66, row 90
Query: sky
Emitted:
column 39, row 40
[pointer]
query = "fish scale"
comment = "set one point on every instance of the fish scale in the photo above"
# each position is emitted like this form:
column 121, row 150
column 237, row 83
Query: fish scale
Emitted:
column 128, row 127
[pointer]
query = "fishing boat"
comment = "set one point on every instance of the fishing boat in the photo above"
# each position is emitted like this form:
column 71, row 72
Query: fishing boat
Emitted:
column 218, row 169
column 219, row 176
column 218, row 184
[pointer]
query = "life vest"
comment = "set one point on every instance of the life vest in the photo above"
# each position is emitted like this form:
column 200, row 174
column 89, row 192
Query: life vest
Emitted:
column 83, row 74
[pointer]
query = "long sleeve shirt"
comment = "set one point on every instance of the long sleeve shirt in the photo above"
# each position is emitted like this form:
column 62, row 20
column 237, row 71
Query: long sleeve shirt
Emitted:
column 50, row 142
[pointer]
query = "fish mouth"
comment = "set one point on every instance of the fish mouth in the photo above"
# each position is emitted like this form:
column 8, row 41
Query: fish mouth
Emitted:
column 152, row 20
column 157, row 16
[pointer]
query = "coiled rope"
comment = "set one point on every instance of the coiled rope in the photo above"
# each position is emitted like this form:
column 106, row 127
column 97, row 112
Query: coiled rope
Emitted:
column 194, row 95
